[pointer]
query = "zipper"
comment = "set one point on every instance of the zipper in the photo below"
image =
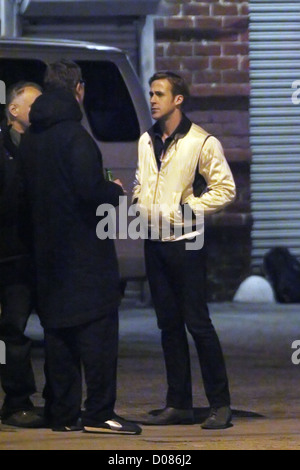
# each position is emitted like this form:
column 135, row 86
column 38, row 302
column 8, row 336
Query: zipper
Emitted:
column 158, row 175
column 157, row 179
column 156, row 187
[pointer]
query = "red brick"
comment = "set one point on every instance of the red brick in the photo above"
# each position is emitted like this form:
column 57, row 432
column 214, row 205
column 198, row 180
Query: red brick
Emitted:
column 236, row 76
column 235, row 141
column 180, row 22
column 208, row 49
column 221, row 63
column 196, row 9
column 239, row 155
column 235, row 23
column 240, row 89
column 235, row 48
column 214, row 129
column 180, row 49
column 207, row 76
column 230, row 116
column 244, row 9
column 221, row 10
column 244, row 37
column 227, row 219
column 187, row 75
column 203, row 90
column 244, row 64
column 208, row 23
column 175, row 1
column 195, row 63
column 168, row 64
column 231, row 1
column 238, row 127
column 220, row 90
column 232, row 38
column 201, row 117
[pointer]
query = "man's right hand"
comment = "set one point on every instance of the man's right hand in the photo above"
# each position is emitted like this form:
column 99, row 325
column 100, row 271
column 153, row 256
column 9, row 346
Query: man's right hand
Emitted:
column 119, row 182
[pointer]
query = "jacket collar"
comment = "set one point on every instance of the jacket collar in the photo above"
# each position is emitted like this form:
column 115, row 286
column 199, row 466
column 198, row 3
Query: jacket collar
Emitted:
column 181, row 131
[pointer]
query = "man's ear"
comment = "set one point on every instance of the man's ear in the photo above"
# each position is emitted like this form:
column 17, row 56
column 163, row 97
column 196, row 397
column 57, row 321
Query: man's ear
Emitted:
column 179, row 99
column 13, row 109
column 79, row 92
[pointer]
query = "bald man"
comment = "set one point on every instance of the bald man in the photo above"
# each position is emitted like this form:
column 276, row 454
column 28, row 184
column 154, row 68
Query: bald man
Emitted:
column 17, row 376
column 19, row 101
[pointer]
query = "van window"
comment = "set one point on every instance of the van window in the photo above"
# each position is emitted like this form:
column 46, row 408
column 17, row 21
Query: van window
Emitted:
column 108, row 104
column 16, row 70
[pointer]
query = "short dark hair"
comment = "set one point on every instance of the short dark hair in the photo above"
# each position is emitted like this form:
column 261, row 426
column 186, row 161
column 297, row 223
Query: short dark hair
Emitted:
column 64, row 74
column 179, row 85
column 16, row 90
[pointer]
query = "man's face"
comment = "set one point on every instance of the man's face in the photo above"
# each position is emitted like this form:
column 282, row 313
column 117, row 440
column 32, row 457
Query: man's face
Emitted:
column 163, row 102
column 21, row 106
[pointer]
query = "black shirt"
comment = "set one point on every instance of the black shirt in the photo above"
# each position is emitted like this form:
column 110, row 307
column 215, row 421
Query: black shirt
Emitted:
column 160, row 146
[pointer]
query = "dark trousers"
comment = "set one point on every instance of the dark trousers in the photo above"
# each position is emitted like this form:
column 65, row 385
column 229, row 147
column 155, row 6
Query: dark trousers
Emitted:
column 17, row 375
column 177, row 279
column 95, row 346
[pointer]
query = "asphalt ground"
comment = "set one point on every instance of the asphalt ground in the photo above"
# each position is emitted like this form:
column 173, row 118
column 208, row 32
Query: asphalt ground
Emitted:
column 257, row 343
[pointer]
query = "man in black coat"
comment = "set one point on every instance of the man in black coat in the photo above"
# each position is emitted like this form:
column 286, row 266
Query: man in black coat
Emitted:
column 78, row 285
column 17, row 376
column 2, row 161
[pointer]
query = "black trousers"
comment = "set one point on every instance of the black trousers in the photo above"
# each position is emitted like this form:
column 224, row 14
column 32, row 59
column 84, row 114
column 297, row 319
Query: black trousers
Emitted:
column 177, row 279
column 95, row 346
column 17, row 376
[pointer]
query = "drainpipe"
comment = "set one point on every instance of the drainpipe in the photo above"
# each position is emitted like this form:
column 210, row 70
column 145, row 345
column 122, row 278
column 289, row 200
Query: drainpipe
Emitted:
column 10, row 20
column 147, row 53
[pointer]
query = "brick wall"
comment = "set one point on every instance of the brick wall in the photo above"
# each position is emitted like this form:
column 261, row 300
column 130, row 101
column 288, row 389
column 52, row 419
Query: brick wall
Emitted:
column 207, row 42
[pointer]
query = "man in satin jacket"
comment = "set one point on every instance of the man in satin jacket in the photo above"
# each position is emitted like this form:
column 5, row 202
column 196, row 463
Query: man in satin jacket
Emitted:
column 182, row 167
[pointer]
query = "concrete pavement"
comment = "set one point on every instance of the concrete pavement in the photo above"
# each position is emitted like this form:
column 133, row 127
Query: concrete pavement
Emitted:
column 257, row 342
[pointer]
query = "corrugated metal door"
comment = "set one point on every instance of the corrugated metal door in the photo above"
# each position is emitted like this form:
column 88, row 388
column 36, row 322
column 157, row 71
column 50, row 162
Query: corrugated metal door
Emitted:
column 275, row 125
column 112, row 31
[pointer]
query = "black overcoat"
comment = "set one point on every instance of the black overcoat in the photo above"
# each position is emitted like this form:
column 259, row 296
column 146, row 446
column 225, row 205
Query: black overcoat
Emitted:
column 14, row 259
column 77, row 275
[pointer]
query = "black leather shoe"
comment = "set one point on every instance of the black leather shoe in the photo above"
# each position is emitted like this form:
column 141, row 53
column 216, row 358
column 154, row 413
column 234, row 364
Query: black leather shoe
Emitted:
column 25, row 419
column 170, row 416
column 219, row 418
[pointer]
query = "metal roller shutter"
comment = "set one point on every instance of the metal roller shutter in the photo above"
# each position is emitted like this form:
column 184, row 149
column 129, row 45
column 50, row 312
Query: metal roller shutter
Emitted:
column 275, row 126
column 123, row 33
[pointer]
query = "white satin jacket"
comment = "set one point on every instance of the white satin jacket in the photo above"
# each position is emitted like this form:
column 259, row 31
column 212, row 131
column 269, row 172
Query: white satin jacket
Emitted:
column 167, row 190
